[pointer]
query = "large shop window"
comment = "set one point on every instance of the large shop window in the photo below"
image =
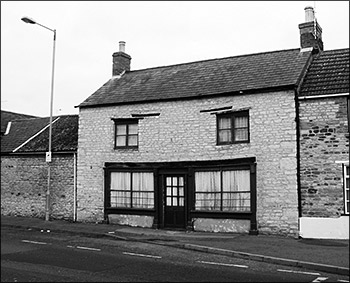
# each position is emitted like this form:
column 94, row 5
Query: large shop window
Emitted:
column 346, row 188
column 226, row 190
column 132, row 190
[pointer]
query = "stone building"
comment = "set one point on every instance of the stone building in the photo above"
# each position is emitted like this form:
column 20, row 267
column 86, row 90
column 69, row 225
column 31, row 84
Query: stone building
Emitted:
column 207, row 146
column 324, row 147
column 24, row 170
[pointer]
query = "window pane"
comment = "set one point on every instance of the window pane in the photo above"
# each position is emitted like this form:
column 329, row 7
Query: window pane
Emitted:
column 168, row 191
column 208, row 201
column 168, row 201
column 174, row 201
column 181, row 202
column 241, row 122
column 181, row 181
column 241, row 134
column 133, row 129
column 236, row 180
column 168, row 181
column 181, row 191
column 236, row 202
column 174, row 191
column 120, row 181
column 207, row 181
column 132, row 141
column 121, row 130
column 224, row 123
column 225, row 136
column 121, row 140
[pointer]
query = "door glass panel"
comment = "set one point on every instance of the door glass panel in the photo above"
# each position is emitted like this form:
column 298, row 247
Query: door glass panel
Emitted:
column 174, row 201
column 174, row 181
column 168, row 181
column 181, row 181
column 181, row 191
column 168, row 191
column 168, row 201
column 181, row 201
column 174, row 191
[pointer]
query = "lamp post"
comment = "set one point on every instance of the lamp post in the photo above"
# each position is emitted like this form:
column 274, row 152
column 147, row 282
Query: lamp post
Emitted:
column 48, row 154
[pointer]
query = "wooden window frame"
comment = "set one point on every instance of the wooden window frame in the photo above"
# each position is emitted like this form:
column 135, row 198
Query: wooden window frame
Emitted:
column 232, row 116
column 132, row 192
column 345, row 188
column 221, row 192
column 127, row 123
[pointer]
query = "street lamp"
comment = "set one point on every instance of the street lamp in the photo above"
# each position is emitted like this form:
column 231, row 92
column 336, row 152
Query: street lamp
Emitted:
column 48, row 154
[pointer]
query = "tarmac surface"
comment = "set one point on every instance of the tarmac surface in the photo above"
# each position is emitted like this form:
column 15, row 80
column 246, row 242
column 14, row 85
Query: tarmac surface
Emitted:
column 325, row 255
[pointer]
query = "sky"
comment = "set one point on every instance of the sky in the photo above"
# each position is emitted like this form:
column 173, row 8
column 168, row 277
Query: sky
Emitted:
column 157, row 33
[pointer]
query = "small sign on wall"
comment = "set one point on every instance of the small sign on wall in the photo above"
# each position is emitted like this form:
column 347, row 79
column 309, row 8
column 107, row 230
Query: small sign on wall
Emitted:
column 48, row 156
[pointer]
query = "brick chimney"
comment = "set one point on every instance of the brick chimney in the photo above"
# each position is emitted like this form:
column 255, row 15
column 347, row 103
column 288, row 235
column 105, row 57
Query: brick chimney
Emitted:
column 121, row 60
column 311, row 31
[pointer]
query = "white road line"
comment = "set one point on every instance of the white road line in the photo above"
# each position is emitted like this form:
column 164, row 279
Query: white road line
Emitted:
column 320, row 279
column 143, row 255
column 86, row 248
column 224, row 264
column 302, row 272
column 33, row 242
column 70, row 247
column 341, row 280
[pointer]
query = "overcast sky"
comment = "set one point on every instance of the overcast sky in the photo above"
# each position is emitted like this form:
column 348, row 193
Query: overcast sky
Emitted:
column 156, row 33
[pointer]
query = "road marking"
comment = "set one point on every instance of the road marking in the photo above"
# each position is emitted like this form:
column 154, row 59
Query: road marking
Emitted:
column 341, row 280
column 224, row 264
column 86, row 248
column 33, row 242
column 319, row 279
column 143, row 255
column 302, row 272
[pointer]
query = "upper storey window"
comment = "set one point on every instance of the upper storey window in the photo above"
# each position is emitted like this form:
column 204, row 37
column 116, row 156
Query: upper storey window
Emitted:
column 126, row 133
column 233, row 127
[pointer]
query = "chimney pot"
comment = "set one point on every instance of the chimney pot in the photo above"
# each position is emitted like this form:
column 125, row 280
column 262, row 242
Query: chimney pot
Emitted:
column 309, row 14
column 122, row 46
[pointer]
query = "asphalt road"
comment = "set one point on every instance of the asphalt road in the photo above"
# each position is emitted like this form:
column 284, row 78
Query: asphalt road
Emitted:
column 34, row 256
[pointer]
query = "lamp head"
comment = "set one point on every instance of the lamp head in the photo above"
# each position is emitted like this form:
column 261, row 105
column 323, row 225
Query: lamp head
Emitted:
column 28, row 20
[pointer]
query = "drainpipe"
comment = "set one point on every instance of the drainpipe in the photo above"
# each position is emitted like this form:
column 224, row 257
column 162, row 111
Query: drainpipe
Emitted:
column 75, row 188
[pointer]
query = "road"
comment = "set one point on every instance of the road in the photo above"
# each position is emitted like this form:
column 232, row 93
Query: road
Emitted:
column 35, row 256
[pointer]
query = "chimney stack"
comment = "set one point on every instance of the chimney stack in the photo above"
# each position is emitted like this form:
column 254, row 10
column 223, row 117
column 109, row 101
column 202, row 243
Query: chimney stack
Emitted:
column 121, row 60
column 311, row 32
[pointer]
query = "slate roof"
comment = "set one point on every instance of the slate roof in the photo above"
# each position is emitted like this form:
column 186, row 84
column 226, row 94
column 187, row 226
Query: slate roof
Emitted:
column 64, row 135
column 204, row 78
column 327, row 74
column 7, row 116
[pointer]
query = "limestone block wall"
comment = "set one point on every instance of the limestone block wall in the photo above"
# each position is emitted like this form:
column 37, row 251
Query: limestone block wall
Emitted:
column 24, row 185
column 183, row 133
column 324, row 144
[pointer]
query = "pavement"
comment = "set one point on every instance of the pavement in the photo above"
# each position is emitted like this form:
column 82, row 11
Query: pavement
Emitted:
column 331, row 256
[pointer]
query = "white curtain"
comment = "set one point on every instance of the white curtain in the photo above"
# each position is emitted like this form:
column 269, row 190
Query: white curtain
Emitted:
column 236, row 190
column 120, row 189
column 143, row 190
column 207, row 190
column 241, row 128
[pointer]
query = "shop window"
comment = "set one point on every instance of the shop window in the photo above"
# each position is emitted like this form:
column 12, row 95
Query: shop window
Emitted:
column 224, row 190
column 132, row 190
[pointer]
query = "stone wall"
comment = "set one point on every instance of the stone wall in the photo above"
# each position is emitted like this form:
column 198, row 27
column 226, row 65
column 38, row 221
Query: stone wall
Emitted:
column 183, row 133
column 324, row 144
column 24, row 186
